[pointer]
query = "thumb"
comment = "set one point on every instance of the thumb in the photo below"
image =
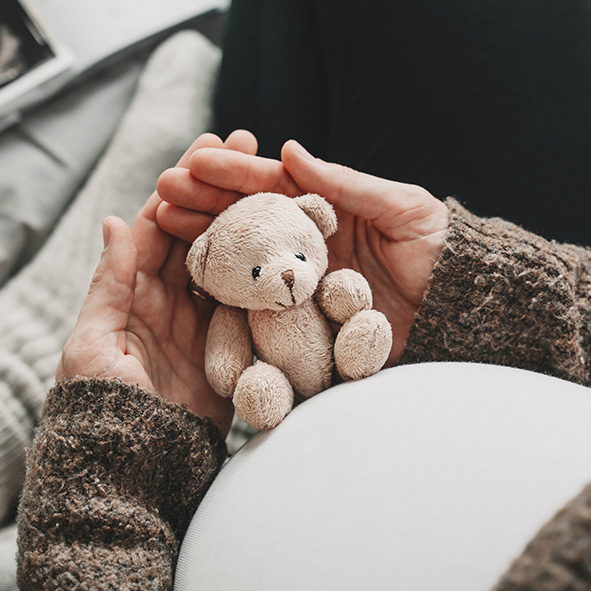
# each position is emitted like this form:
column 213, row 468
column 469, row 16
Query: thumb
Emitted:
column 107, row 305
column 357, row 193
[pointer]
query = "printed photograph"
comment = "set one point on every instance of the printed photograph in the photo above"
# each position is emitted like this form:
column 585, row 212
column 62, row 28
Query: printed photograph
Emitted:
column 22, row 43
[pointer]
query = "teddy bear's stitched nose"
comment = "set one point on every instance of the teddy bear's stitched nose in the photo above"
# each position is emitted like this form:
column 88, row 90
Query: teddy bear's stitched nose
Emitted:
column 288, row 277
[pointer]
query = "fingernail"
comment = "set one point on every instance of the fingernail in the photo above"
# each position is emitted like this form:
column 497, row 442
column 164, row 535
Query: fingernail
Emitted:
column 302, row 151
column 106, row 233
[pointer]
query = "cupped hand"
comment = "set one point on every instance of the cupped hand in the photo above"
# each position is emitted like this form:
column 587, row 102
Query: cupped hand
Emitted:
column 390, row 232
column 140, row 322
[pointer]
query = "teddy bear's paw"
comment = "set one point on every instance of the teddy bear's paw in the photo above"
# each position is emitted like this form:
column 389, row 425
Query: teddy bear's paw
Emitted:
column 263, row 396
column 363, row 344
column 343, row 293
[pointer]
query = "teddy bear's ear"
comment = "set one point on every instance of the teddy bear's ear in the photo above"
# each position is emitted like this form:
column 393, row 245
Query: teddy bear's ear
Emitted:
column 321, row 212
column 197, row 258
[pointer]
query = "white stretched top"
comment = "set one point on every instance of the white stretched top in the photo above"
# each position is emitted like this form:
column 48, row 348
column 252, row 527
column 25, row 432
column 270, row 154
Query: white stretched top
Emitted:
column 423, row 478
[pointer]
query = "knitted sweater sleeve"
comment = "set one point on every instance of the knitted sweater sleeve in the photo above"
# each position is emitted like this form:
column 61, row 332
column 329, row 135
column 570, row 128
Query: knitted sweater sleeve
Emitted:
column 502, row 295
column 113, row 478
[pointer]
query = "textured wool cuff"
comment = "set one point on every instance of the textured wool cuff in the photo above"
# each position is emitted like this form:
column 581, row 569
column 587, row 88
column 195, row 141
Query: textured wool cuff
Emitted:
column 114, row 476
column 502, row 295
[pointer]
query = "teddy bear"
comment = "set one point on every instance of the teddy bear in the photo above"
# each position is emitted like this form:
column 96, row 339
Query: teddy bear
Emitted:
column 264, row 259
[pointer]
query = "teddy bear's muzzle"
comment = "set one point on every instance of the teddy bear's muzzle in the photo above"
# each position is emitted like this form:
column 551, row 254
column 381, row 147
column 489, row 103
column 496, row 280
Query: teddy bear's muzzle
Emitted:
column 282, row 286
column 289, row 278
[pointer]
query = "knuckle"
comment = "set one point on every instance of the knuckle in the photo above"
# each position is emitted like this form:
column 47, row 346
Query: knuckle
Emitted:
column 246, row 177
column 346, row 179
column 165, row 181
column 96, row 280
column 420, row 193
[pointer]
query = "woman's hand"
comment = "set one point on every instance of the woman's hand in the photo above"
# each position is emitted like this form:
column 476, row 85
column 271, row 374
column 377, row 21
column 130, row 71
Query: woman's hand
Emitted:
column 140, row 322
column 390, row 232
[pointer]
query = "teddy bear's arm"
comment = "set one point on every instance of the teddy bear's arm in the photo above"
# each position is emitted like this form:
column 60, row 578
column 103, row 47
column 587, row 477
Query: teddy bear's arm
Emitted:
column 341, row 294
column 228, row 349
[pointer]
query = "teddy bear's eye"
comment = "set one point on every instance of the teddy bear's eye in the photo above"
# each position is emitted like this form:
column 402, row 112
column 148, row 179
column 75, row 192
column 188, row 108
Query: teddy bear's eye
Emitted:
column 300, row 256
column 256, row 272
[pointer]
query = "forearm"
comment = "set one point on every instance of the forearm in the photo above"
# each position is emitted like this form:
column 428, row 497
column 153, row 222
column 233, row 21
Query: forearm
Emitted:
column 113, row 478
column 502, row 295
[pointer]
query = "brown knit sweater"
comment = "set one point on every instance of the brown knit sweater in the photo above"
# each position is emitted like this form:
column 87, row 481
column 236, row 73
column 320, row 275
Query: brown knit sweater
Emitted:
column 501, row 295
column 115, row 472
column 113, row 479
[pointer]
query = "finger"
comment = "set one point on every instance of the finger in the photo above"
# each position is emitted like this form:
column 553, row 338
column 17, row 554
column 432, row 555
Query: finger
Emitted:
column 205, row 140
column 179, row 187
column 243, row 141
column 107, row 305
column 174, row 271
column 388, row 204
column 182, row 223
column 240, row 172
column 152, row 243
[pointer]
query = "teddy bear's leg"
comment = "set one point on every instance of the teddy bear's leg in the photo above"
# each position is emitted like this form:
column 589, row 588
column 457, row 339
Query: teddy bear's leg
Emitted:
column 362, row 345
column 263, row 396
column 228, row 349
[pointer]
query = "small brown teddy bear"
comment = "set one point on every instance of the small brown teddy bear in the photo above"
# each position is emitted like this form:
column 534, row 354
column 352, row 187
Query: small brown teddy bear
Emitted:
column 264, row 259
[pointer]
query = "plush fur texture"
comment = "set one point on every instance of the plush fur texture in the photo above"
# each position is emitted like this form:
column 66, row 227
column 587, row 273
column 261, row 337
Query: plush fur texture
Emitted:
column 263, row 395
column 230, row 351
column 264, row 259
column 342, row 294
column 299, row 341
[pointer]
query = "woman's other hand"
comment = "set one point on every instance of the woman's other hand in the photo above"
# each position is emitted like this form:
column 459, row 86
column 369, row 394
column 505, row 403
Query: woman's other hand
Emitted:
column 140, row 322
